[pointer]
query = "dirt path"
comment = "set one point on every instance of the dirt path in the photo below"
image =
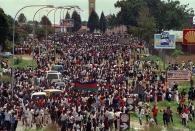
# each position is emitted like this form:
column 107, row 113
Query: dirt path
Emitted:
column 25, row 57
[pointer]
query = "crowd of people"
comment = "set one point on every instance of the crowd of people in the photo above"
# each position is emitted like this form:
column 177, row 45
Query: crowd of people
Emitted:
column 118, row 71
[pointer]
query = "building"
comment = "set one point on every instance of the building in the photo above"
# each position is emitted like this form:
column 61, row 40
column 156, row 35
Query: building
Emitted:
column 91, row 6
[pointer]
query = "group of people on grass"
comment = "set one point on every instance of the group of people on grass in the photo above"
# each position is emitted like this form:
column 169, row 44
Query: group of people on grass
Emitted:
column 119, row 70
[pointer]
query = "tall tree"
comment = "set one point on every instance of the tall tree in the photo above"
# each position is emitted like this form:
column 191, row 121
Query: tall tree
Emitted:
column 45, row 21
column 93, row 22
column 22, row 18
column 112, row 21
column 103, row 23
column 67, row 15
column 146, row 25
column 168, row 15
column 77, row 21
column 129, row 11
column 4, row 28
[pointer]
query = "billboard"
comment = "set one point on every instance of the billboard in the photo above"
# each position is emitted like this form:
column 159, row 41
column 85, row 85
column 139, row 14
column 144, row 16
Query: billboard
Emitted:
column 164, row 41
column 189, row 36
column 67, row 23
column 178, row 75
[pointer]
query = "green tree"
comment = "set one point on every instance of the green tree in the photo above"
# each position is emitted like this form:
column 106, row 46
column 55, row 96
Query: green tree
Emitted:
column 77, row 21
column 22, row 18
column 93, row 22
column 67, row 15
column 45, row 21
column 27, row 28
column 103, row 23
column 10, row 32
column 112, row 21
column 146, row 25
column 129, row 11
column 167, row 15
column 4, row 28
column 173, row 15
column 40, row 32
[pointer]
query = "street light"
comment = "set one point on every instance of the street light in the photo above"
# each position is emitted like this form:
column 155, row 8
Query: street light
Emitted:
column 51, row 6
column 55, row 8
column 13, row 39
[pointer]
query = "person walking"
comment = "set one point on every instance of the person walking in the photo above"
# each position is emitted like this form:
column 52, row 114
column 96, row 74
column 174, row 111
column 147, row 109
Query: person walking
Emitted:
column 140, row 113
column 147, row 113
column 165, row 118
column 155, row 112
column 170, row 114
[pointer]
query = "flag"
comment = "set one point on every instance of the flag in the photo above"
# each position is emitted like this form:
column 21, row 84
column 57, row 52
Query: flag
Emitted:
column 86, row 86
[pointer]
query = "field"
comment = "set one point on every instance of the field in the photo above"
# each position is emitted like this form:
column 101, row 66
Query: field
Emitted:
column 164, row 104
column 20, row 62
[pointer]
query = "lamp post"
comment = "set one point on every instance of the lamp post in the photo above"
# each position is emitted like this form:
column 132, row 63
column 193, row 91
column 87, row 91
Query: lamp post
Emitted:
column 34, row 32
column 46, row 32
column 13, row 40
column 55, row 8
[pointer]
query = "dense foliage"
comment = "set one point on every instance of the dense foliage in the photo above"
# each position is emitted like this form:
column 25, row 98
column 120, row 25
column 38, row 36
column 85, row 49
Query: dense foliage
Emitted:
column 77, row 21
column 93, row 22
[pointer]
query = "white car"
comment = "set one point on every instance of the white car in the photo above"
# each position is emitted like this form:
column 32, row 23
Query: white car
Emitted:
column 54, row 76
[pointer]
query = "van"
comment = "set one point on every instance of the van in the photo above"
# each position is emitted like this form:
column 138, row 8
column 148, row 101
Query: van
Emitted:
column 53, row 76
column 52, row 92
column 38, row 95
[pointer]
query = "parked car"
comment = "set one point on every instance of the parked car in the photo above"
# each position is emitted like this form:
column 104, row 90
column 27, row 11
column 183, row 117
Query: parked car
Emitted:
column 6, row 54
column 53, row 76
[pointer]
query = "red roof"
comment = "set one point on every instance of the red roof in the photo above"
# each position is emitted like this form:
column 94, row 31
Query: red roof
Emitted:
column 55, row 25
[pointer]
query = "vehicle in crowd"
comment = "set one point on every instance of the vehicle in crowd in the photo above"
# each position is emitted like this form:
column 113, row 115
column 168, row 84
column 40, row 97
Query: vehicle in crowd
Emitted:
column 53, row 76
column 60, row 84
column 58, row 68
column 38, row 95
column 52, row 92
column 6, row 54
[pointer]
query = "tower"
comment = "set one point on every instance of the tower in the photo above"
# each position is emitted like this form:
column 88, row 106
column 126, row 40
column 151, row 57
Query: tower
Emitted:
column 91, row 6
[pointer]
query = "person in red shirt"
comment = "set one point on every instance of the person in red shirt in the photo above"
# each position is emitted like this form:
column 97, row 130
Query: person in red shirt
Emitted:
column 155, row 112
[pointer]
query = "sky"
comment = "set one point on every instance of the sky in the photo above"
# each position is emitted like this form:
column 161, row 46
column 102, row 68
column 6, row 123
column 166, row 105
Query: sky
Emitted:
column 107, row 6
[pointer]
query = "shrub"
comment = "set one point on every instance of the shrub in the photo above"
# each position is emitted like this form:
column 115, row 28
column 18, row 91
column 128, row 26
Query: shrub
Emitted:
column 18, row 60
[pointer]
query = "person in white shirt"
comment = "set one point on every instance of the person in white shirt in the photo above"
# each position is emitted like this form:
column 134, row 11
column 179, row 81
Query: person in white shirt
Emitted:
column 111, row 118
column 76, row 126
column 79, row 118
column 101, row 125
column 140, row 113
column 63, row 119
column 7, row 119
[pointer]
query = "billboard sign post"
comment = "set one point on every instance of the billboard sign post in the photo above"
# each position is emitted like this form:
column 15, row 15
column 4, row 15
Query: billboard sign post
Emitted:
column 164, row 41
column 124, row 121
column 178, row 75
column 189, row 36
